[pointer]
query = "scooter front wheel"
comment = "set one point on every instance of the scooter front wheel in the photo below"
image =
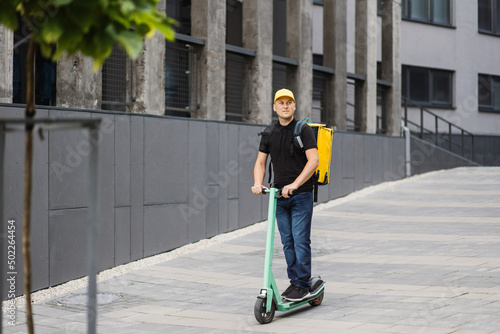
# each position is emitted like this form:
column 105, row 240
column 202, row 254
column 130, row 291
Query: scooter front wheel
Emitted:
column 259, row 310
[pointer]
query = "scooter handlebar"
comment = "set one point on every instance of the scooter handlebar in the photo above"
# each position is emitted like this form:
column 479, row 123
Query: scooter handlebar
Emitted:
column 278, row 192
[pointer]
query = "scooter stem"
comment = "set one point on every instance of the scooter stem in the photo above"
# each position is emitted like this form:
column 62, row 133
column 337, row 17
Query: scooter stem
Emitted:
column 269, row 282
column 271, row 218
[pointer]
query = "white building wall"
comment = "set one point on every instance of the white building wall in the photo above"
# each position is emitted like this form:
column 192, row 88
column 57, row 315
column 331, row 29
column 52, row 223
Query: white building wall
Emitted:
column 461, row 49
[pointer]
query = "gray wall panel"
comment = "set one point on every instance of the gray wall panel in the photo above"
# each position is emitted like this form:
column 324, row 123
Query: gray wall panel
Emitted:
column 212, row 212
column 358, row 167
column 223, row 131
column 249, row 202
column 122, row 160
column 216, row 176
column 232, row 149
column 164, row 229
column 165, row 161
column 39, row 217
column 348, row 155
column 377, row 160
column 137, row 188
column 386, row 159
column 13, row 192
column 68, row 245
column 122, row 236
column 336, row 167
column 107, row 188
column 195, row 215
column 232, row 213
column 426, row 157
column 347, row 185
column 368, row 151
column 211, row 143
column 323, row 193
column 68, row 158
column 398, row 159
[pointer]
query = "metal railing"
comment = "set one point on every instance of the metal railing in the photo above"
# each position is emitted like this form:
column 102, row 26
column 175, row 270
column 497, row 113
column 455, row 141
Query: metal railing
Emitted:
column 443, row 139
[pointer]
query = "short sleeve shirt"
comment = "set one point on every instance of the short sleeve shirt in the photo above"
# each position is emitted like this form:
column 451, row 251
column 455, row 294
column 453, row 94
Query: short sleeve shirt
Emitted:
column 287, row 166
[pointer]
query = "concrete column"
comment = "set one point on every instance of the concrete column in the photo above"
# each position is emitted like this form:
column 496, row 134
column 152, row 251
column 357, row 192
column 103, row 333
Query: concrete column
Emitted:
column 78, row 86
column 299, row 47
column 149, row 78
column 208, row 21
column 335, row 56
column 148, row 75
column 6, row 64
column 391, row 65
column 257, row 36
column 365, row 118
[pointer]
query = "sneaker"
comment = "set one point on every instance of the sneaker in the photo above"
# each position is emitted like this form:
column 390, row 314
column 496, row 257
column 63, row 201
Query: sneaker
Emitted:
column 287, row 291
column 297, row 294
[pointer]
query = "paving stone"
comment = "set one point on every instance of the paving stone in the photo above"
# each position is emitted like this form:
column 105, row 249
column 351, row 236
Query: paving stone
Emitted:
column 418, row 255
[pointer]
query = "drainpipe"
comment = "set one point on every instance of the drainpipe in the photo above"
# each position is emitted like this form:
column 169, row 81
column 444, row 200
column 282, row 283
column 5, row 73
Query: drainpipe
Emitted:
column 408, row 153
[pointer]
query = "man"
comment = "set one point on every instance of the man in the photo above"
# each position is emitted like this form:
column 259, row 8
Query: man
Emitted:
column 293, row 169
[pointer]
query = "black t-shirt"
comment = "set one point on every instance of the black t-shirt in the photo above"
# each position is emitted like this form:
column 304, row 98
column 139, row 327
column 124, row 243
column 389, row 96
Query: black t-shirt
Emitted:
column 286, row 166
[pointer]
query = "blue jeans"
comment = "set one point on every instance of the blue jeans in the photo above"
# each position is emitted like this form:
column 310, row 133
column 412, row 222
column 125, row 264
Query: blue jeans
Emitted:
column 294, row 216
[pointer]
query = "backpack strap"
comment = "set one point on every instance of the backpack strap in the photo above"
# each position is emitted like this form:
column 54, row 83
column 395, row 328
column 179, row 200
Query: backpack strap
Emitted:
column 315, row 187
column 266, row 136
column 296, row 139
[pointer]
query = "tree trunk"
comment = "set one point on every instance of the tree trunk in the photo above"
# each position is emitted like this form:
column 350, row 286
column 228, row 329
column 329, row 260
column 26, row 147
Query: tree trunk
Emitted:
column 28, row 174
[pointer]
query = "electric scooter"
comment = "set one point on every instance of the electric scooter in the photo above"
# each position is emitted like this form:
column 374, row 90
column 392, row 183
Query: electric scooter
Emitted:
column 269, row 300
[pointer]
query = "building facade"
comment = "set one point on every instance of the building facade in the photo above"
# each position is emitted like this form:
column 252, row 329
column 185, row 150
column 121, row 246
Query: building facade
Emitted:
column 228, row 58
column 353, row 64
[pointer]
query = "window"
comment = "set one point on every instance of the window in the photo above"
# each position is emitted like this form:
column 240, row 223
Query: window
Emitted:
column 115, row 90
column 180, row 80
column 234, row 19
column 489, row 92
column 429, row 87
column 279, row 28
column 45, row 72
column 180, row 10
column 488, row 16
column 431, row 11
column 237, row 87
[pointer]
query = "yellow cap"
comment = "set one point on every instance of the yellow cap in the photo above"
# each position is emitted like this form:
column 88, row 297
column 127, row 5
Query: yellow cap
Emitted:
column 284, row 92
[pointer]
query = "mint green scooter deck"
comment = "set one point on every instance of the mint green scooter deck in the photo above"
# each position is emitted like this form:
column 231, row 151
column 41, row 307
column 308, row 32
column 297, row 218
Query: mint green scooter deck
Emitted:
column 270, row 288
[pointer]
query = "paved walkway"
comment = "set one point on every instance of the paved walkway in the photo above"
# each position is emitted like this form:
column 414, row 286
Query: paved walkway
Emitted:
column 420, row 255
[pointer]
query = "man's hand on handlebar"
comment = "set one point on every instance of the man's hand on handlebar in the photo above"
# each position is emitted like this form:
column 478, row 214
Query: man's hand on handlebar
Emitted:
column 258, row 189
column 288, row 190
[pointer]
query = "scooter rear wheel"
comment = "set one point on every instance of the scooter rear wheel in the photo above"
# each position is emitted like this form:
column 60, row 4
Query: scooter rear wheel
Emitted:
column 317, row 301
column 259, row 310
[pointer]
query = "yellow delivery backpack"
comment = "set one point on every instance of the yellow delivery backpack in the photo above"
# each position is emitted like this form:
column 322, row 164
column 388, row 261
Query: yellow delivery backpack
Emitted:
column 324, row 140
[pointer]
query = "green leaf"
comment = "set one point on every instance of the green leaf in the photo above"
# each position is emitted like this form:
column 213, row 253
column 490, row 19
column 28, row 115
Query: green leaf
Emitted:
column 115, row 15
column 131, row 42
column 46, row 50
column 88, row 26
column 59, row 3
column 127, row 7
column 8, row 18
column 68, row 41
column 52, row 30
column 83, row 19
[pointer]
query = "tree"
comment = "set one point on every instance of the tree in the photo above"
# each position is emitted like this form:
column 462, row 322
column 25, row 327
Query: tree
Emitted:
column 69, row 26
